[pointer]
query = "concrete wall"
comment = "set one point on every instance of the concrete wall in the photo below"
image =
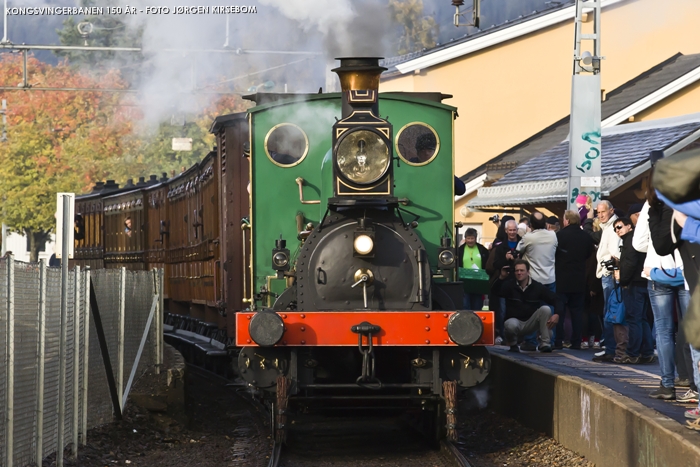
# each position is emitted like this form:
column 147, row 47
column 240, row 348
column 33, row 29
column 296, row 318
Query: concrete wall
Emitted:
column 608, row 429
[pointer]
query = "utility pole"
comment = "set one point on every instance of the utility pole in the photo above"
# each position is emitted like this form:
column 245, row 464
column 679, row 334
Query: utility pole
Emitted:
column 585, row 148
column 3, row 112
column 5, row 39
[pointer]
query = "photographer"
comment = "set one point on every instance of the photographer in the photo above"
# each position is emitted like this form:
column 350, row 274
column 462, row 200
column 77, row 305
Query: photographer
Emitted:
column 608, row 246
column 574, row 248
column 525, row 313
column 640, row 347
column 506, row 251
column 502, row 255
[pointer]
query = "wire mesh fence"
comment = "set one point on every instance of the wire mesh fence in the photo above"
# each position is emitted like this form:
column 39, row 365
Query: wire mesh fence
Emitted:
column 31, row 347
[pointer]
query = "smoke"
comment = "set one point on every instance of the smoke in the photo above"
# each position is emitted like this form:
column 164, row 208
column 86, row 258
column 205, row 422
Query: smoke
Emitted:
column 358, row 28
column 265, row 49
column 476, row 398
column 286, row 46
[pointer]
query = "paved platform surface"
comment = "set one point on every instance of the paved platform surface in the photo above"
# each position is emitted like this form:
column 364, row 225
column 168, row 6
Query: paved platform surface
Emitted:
column 633, row 381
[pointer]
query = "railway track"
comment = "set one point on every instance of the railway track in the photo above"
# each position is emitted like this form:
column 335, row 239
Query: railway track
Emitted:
column 322, row 439
column 252, row 439
column 369, row 439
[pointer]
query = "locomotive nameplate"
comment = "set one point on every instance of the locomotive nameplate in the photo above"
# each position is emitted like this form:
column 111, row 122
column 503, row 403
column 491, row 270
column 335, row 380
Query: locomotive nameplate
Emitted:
column 332, row 328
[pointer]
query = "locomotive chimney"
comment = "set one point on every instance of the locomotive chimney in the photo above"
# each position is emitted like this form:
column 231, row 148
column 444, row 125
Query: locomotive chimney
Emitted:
column 359, row 81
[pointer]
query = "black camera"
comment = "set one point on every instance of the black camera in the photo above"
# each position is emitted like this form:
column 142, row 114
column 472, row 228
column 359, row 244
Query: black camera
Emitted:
column 515, row 253
column 610, row 264
column 495, row 219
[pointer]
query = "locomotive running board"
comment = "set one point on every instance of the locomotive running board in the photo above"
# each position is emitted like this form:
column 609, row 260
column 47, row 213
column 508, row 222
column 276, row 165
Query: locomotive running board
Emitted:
column 332, row 328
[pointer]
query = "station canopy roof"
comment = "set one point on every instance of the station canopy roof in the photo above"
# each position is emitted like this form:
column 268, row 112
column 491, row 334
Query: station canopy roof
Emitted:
column 625, row 156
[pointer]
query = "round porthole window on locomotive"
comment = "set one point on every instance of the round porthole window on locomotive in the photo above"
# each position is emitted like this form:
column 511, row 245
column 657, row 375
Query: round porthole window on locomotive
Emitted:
column 417, row 143
column 286, row 145
column 363, row 156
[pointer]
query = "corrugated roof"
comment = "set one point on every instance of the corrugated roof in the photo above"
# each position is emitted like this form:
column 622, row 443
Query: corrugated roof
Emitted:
column 543, row 179
column 632, row 91
column 620, row 153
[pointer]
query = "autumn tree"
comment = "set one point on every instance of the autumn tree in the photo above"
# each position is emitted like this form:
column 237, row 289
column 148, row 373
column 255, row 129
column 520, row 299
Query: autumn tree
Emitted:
column 56, row 141
column 416, row 30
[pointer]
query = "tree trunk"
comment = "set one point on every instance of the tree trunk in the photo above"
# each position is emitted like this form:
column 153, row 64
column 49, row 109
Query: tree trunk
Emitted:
column 36, row 240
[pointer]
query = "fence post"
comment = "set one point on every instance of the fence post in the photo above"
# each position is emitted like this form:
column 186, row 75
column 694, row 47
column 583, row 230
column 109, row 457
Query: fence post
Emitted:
column 10, row 363
column 86, row 353
column 41, row 363
column 76, row 359
column 62, row 339
column 120, row 340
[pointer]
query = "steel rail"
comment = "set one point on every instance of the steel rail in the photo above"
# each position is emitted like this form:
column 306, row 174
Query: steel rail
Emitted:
column 276, row 450
column 450, row 449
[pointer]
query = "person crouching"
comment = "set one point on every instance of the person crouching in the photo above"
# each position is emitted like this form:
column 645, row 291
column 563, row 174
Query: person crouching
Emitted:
column 524, row 315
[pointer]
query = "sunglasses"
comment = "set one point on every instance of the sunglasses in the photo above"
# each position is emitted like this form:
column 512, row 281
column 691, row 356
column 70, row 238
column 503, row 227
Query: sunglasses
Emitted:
column 619, row 227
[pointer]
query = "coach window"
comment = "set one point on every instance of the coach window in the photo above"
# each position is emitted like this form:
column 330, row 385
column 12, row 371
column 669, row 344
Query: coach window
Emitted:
column 417, row 143
column 286, row 145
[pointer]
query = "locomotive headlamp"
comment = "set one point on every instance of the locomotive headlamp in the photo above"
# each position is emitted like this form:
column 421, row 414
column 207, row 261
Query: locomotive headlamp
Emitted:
column 280, row 256
column 447, row 258
column 446, row 254
column 280, row 259
column 363, row 157
column 363, row 244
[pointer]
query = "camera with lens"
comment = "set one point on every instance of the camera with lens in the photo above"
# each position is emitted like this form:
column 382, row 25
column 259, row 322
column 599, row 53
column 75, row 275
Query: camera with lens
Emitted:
column 610, row 264
column 495, row 219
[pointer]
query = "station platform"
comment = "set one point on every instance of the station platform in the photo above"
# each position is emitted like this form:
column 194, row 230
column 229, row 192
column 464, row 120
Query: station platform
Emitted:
column 633, row 381
column 600, row 410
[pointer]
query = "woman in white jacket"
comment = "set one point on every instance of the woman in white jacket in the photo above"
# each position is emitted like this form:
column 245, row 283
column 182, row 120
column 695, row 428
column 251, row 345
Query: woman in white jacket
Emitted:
column 666, row 288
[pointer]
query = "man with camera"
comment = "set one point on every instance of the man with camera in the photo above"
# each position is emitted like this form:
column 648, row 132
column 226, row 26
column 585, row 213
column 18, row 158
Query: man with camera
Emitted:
column 503, row 255
column 608, row 247
column 525, row 313
column 574, row 248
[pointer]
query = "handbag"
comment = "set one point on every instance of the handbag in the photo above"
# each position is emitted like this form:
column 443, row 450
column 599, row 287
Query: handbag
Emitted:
column 615, row 308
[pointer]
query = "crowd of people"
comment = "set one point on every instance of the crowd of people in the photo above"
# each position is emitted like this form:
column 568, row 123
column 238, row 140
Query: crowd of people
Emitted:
column 622, row 279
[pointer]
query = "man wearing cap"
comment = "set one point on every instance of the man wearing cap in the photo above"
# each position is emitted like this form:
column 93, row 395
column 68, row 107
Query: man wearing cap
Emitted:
column 633, row 212
column 553, row 224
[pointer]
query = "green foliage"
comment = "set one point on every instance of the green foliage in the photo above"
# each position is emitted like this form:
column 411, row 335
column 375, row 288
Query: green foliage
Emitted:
column 417, row 31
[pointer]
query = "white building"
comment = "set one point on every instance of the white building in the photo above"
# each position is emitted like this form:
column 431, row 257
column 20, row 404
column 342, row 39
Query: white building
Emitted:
column 18, row 244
